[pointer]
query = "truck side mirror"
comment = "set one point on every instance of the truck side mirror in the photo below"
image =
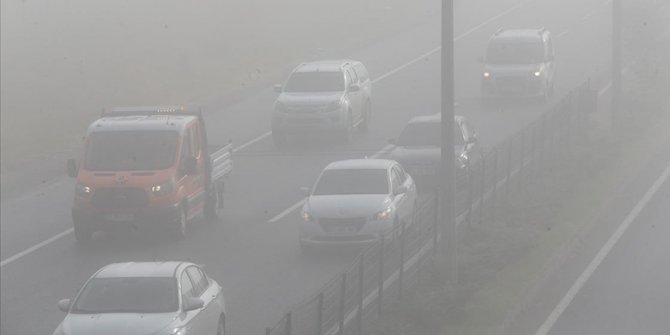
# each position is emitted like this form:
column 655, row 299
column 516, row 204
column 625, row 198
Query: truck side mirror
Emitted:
column 72, row 170
column 190, row 166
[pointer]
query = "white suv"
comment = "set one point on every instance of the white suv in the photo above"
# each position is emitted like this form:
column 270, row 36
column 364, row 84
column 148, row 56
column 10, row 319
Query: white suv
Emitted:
column 519, row 63
column 323, row 97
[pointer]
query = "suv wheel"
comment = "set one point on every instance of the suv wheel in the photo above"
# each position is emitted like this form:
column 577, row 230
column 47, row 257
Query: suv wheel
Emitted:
column 214, row 204
column 367, row 115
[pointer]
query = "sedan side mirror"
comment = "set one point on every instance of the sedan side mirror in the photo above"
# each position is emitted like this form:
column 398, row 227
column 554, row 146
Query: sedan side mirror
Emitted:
column 64, row 305
column 402, row 189
column 278, row 88
column 354, row 88
column 305, row 191
column 72, row 170
column 191, row 304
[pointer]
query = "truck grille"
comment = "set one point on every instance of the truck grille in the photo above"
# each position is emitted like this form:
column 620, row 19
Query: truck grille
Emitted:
column 119, row 198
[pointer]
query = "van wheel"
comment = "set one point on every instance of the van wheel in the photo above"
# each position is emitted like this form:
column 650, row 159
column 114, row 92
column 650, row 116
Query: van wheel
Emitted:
column 214, row 204
column 82, row 233
column 180, row 224
column 221, row 326
column 367, row 116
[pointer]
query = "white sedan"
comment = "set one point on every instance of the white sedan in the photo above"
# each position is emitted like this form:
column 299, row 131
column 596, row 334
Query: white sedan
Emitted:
column 357, row 202
column 147, row 298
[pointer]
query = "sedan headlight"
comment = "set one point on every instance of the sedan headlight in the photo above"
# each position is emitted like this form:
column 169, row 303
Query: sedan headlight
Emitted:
column 384, row 213
column 83, row 190
column 333, row 106
column 163, row 189
column 306, row 216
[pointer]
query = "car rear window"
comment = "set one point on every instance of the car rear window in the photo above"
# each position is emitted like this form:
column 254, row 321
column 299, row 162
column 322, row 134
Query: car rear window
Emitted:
column 128, row 295
column 352, row 181
column 315, row 82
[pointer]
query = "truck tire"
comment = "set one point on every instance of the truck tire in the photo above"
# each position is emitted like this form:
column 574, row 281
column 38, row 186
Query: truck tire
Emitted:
column 180, row 224
column 82, row 233
column 367, row 116
column 214, row 204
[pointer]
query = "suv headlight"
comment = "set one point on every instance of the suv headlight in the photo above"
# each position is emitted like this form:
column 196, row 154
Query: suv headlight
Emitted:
column 163, row 189
column 384, row 213
column 83, row 190
column 333, row 106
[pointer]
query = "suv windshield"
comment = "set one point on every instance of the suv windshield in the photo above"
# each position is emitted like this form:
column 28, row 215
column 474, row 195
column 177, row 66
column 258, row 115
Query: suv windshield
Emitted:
column 315, row 82
column 128, row 295
column 425, row 134
column 353, row 181
column 515, row 53
column 131, row 150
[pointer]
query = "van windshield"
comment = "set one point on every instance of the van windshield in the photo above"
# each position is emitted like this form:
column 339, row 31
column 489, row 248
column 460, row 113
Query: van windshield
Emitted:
column 131, row 150
column 315, row 82
column 515, row 53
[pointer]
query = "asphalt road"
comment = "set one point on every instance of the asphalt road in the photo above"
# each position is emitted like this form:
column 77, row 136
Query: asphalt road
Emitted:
column 259, row 263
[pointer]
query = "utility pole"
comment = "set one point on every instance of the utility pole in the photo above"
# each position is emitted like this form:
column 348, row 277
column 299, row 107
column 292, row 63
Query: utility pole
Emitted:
column 616, row 63
column 446, row 187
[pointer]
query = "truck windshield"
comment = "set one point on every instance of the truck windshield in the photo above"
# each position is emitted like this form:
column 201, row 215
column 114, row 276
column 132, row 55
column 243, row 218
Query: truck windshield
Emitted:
column 353, row 181
column 128, row 295
column 515, row 53
column 131, row 150
column 315, row 82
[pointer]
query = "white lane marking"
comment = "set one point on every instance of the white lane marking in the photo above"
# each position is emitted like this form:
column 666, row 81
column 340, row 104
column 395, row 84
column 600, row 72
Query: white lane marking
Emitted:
column 561, row 34
column 604, row 251
column 257, row 139
column 35, row 247
column 287, row 211
column 398, row 69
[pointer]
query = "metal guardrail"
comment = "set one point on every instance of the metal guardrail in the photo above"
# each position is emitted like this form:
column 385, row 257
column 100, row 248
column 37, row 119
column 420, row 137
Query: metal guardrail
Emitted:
column 222, row 162
column 380, row 274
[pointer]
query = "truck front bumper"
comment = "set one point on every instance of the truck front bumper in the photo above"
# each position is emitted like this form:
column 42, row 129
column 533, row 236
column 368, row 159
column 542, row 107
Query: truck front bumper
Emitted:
column 103, row 220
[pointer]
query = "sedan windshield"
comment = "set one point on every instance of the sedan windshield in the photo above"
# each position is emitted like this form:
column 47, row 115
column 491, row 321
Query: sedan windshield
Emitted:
column 315, row 82
column 515, row 53
column 128, row 295
column 353, row 181
column 425, row 134
column 131, row 150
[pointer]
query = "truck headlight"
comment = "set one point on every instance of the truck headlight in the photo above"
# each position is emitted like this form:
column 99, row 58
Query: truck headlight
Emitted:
column 384, row 213
column 83, row 190
column 163, row 189
column 537, row 73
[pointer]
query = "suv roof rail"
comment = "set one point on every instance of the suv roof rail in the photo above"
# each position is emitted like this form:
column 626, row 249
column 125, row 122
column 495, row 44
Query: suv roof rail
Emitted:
column 149, row 110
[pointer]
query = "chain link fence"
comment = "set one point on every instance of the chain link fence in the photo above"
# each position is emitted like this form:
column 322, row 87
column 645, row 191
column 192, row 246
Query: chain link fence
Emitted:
column 380, row 274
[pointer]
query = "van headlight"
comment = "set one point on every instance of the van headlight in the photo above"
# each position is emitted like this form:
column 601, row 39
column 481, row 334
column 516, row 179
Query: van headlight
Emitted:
column 163, row 189
column 384, row 213
column 83, row 190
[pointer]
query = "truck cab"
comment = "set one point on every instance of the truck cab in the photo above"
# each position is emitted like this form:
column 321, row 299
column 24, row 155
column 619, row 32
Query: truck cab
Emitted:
column 146, row 166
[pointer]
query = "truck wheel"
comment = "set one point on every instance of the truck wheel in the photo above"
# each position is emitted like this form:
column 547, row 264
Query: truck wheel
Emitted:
column 214, row 204
column 180, row 224
column 82, row 234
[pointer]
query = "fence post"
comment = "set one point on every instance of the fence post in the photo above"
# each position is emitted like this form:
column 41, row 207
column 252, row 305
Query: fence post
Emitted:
column 471, row 195
column 402, row 258
column 494, row 195
column 343, row 298
column 435, row 226
column 360, row 294
column 533, row 143
column 482, row 190
column 509, row 168
column 288, row 323
column 319, row 315
column 522, row 149
column 380, row 288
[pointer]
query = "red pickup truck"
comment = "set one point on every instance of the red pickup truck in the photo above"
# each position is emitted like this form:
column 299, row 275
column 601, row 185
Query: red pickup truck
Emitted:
column 147, row 166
